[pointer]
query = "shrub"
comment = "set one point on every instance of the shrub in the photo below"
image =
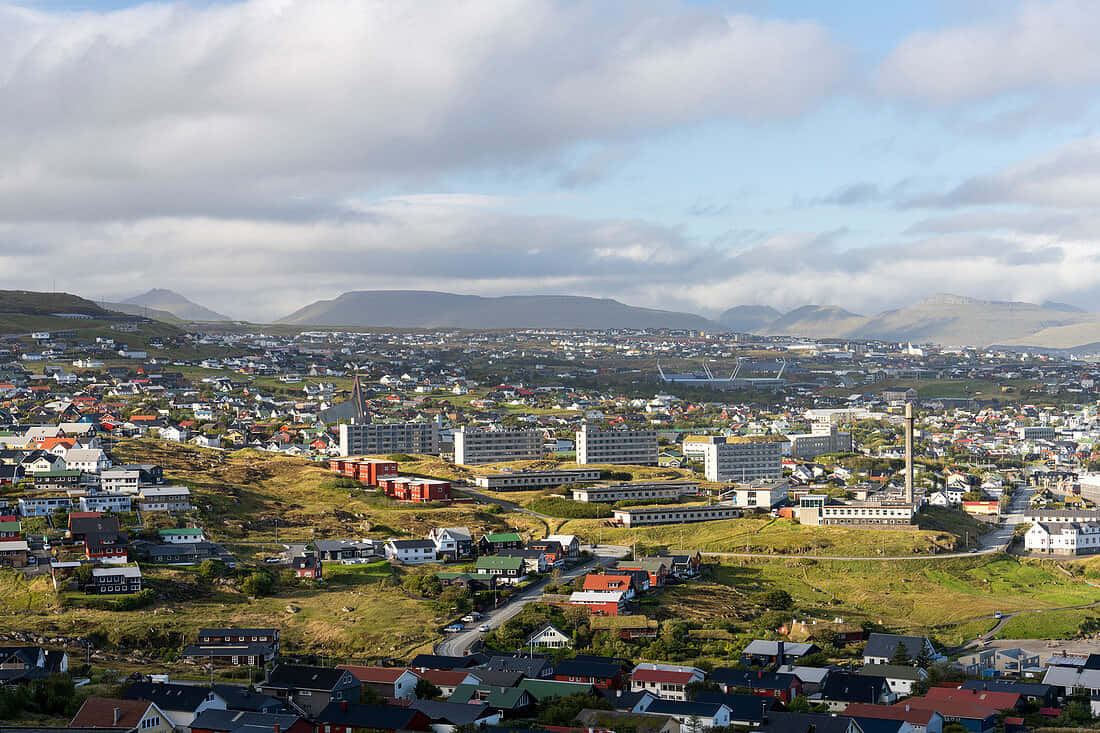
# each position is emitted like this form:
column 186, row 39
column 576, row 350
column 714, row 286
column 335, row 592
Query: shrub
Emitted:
column 559, row 506
column 400, row 457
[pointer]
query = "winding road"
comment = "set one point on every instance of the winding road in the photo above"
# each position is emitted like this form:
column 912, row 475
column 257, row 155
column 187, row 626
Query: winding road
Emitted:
column 457, row 645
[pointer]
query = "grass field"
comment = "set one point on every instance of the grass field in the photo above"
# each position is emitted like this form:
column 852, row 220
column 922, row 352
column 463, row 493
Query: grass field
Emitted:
column 982, row 389
column 762, row 534
column 380, row 622
column 944, row 598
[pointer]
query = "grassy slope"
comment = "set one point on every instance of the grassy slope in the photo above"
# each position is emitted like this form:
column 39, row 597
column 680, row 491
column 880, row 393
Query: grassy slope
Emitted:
column 943, row 597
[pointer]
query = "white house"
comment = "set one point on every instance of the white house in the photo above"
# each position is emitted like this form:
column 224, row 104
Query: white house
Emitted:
column 1064, row 538
column 410, row 552
column 899, row 678
column 164, row 499
column 89, row 460
column 549, row 637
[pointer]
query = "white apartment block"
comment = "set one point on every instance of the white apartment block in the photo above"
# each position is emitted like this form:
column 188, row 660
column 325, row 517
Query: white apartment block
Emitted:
column 817, row 511
column 823, row 438
column 760, row 494
column 619, row 447
column 1035, row 432
column 105, row 502
column 636, row 490
column 1063, row 538
column 120, row 479
column 474, row 446
column 164, row 499
column 383, row 438
column 674, row 514
column 739, row 458
column 529, row 480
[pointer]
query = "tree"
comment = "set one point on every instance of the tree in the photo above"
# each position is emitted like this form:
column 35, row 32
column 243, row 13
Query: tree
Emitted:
column 777, row 599
column 258, row 583
column 425, row 690
column 564, row 710
column 455, row 598
column 901, row 655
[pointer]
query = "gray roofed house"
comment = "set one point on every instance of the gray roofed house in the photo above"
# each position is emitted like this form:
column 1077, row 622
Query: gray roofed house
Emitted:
column 236, row 721
column 244, row 699
column 180, row 703
column 456, row 714
column 899, row 678
column 763, row 651
column 808, row 723
column 531, row 667
column 880, row 648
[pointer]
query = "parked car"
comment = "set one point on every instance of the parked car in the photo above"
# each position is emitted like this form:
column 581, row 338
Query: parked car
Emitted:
column 471, row 617
column 453, row 628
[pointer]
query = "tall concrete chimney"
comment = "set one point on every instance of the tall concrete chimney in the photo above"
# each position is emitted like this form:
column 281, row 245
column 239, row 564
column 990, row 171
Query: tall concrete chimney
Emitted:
column 909, row 452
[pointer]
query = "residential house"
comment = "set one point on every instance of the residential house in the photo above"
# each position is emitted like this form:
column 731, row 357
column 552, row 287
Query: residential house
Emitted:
column 452, row 543
column 235, row 720
column 398, row 683
column 900, row 678
column 180, row 703
column 508, row 702
column 601, row 672
column 761, row 652
column 656, row 568
column 446, row 717
column 881, row 648
column 115, row 580
column 490, row 544
column 345, row 717
column 666, row 681
column 600, row 604
column 694, row 717
column 570, row 544
column 508, row 570
column 410, row 552
column 187, row 535
column 611, row 584
column 311, row 689
column 843, row 688
column 549, row 637
column 348, row 551
column 164, row 499
column 306, row 567
column 129, row 715
column 781, row 686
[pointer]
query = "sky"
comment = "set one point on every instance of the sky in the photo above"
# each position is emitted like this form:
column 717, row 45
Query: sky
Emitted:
column 258, row 155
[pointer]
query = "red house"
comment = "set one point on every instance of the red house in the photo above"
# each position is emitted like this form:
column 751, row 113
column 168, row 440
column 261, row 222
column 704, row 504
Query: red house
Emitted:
column 307, row 566
column 406, row 488
column 603, row 672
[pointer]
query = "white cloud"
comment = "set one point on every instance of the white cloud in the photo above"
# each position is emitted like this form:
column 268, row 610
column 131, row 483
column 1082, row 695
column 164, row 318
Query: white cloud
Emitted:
column 1040, row 46
column 282, row 108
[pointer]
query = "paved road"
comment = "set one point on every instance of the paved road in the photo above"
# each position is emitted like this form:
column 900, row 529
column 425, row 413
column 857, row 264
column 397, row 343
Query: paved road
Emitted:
column 994, row 541
column 456, row 645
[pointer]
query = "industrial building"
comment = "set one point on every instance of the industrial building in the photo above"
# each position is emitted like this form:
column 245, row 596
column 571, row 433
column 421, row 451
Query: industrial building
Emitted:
column 817, row 510
column 823, row 438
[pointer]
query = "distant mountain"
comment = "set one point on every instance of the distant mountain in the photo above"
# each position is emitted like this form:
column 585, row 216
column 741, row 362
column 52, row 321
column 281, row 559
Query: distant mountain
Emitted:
column 425, row 309
column 748, row 317
column 1056, row 306
column 951, row 320
column 175, row 304
column 141, row 310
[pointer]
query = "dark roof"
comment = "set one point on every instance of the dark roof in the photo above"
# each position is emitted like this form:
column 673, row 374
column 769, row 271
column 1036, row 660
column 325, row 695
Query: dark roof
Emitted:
column 742, row 707
column 439, row 661
column 499, row 677
column 805, row 723
column 884, row 645
column 752, row 678
column 1027, row 689
column 683, row 708
column 451, row 712
column 238, row 632
column 849, row 687
column 530, row 667
column 302, row 677
column 620, row 699
column 94, row 525
column 409, row 544
column 242, row 698
column 374, row 717
column 168, row 695
column 232, row 720
column 578, row 667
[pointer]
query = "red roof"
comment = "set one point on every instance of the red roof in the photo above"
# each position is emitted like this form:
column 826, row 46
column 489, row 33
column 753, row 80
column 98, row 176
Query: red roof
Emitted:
column 606, row 582
column 99, row 712
column 386, row 675
column 444, row 677
column 661, row 675
column 885, row 712
column 991, row 699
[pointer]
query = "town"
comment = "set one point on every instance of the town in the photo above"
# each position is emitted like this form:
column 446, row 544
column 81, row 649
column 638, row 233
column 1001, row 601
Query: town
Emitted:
column 228, row 530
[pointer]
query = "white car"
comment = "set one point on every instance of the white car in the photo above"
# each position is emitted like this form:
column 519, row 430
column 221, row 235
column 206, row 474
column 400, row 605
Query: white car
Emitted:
column 484, row 628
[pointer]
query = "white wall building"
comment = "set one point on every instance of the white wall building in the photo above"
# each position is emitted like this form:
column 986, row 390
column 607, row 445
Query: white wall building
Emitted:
column 383, row 438
column 616, row 446
column 738, row 458
column 474, row 446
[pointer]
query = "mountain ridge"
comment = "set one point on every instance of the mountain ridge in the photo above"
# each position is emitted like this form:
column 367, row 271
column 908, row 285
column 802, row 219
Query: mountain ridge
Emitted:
column 433, row 309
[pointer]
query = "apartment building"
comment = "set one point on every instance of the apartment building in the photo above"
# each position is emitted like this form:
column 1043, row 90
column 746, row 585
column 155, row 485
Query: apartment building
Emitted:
column 1063, row 538
column 475, row 446
column 616, row 446
column 389, row 437
column 738, row 458
column 636, row 490
column 1035, row 432
column 818, row 510
column 120, row 479
column 530, row 480
column 823, row 438
column 674, row 514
